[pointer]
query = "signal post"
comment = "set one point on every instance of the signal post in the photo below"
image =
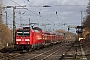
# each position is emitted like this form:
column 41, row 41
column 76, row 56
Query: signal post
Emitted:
column 79, row 31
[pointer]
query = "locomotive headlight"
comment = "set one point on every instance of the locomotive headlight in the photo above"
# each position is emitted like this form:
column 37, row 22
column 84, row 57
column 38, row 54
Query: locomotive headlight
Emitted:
column 18, row 39
column 39, row 38
column 17, row 43
column 27, row 40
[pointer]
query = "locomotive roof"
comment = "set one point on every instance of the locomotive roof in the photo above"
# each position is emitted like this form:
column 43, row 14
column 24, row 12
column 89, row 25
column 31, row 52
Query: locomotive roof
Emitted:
column 37, row 28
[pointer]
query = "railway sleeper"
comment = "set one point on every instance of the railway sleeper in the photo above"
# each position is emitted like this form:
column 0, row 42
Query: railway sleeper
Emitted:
column 68, row 56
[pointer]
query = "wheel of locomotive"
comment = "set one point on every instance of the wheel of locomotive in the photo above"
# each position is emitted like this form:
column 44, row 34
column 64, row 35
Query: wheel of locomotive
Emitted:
column 28, row 49
column 16, row 47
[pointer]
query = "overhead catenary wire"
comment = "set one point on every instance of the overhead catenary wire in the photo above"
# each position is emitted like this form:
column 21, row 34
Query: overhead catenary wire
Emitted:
column 33, row 12
column 9, row 17
column 40, row 15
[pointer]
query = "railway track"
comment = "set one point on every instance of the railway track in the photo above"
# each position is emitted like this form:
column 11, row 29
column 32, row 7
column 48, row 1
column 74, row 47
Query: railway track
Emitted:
column 59, row 51
column 46, row 54
column 51, row 53
column 71, row 53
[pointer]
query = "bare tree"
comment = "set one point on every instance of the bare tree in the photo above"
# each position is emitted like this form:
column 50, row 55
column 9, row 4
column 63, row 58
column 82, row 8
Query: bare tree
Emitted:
column 87, row 21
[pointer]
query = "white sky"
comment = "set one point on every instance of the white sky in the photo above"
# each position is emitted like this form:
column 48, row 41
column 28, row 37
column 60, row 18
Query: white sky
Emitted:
column 68, row 12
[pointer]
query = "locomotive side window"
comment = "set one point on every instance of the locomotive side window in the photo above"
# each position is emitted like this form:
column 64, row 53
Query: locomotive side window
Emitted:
column 36, row 30
column 23, row 33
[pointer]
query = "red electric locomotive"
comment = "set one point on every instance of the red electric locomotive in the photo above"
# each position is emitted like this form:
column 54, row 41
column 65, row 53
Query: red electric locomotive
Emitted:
column 27, row 38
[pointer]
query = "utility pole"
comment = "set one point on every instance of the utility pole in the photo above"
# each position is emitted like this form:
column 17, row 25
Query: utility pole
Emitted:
column 53, row 27
column 14, row 26
column 29, row 22
column 81, row 18
column 6, row 18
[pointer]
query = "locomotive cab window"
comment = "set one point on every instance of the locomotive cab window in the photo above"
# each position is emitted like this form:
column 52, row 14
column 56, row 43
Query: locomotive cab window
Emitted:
column 26, row 33
column 23, row 32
